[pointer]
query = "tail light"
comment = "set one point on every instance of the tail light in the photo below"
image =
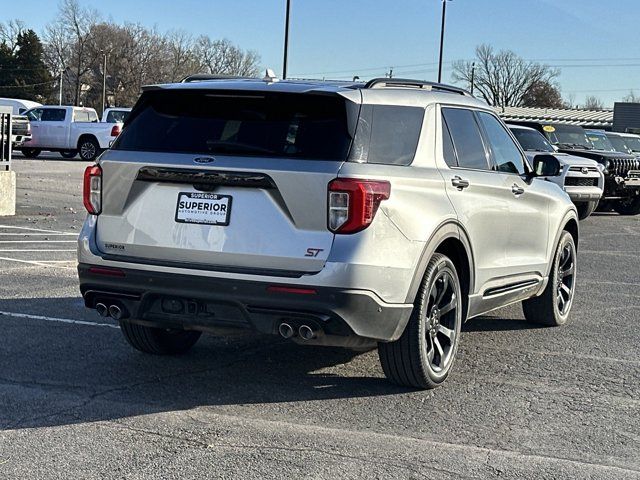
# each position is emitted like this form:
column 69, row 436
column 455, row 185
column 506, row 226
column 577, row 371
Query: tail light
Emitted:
column 92, row 191
column 353, row 203
column 115, row 130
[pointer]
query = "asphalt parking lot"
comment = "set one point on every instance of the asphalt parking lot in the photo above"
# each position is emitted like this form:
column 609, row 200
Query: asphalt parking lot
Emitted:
column 522, row 402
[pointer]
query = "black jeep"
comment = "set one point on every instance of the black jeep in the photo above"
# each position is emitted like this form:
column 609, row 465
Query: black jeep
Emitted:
column 621, row 174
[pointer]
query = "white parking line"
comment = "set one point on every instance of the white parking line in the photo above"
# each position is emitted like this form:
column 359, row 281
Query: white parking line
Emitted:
column 38, row 250
column 38, row 234
column 38, row 241
column 59, row 320
column 37, row 230
column 36, row 263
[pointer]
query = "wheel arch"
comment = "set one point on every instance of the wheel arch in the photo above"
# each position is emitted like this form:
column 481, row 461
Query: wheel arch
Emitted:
column 449, row 239
column 84, row 136
column 569, row 224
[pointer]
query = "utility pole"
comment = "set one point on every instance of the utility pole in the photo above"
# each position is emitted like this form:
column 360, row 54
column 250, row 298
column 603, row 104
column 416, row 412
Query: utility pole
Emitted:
column 286, row 40
column 473, row 76
column 60, row 94
column 104, row 82
column 444, row 14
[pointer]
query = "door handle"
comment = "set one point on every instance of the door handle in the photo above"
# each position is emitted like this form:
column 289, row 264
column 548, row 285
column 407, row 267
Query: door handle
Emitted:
column 517, row 190
column 459, row 183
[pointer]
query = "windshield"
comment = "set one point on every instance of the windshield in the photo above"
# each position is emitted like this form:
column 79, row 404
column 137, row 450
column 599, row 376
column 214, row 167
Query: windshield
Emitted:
column 532, row 140
column 567, row 136
column 619, row 144
column 600, row 141
column 633, row 143
column 265, row 124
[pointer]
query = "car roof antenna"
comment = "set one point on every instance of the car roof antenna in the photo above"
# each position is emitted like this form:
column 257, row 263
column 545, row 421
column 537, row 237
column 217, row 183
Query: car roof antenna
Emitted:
column 270, row 76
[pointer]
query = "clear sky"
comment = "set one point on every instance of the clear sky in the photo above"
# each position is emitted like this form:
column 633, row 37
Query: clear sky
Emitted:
column 596, row 43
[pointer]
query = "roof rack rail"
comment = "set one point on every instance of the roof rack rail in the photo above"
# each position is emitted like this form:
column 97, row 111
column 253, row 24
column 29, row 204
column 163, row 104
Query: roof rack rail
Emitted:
column 199, row 77
column 407, row 82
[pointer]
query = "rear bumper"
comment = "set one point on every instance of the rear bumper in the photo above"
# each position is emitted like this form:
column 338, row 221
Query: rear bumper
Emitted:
column 211, row 303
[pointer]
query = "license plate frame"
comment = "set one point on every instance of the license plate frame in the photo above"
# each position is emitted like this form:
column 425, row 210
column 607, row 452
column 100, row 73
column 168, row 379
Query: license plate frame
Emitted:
column 633, row 174
column 197, row 216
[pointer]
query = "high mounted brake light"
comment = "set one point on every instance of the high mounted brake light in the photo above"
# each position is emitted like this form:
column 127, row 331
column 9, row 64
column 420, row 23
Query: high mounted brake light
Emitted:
column 353, row 203
column 92, row 191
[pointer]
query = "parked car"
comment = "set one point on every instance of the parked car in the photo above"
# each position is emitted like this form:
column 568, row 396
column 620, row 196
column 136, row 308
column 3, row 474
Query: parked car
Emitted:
column 68, row 130
column 20, row 127
column 343, row 214
column 581, row 178
column 621, row 174
column 624, row 142
column 18, row 106
column 115, row 115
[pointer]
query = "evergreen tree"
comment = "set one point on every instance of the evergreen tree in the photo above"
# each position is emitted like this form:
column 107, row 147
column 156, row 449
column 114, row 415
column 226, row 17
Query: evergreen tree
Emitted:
column 31, row 71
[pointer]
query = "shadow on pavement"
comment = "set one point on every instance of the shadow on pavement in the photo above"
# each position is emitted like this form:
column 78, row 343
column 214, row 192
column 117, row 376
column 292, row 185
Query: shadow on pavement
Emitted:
column 55, row 374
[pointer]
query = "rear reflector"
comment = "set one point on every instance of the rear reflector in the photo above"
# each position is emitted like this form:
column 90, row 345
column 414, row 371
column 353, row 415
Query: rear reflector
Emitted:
column 107, row 271
column 92, row 191
column 296, row 290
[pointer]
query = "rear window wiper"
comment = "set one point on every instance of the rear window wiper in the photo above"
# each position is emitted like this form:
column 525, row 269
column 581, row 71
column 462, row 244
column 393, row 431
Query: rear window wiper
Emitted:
column 222, row 146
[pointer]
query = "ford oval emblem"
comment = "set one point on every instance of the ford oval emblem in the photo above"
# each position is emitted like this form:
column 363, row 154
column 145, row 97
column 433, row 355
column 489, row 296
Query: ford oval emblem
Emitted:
column 204, row 159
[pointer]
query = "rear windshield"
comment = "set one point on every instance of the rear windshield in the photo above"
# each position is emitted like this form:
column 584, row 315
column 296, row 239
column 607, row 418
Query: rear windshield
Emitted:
column 117, row 116
column 262, row 124
column 532, row 140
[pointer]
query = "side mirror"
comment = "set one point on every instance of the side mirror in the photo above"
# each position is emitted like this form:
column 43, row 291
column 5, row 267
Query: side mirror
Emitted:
column 546, row 166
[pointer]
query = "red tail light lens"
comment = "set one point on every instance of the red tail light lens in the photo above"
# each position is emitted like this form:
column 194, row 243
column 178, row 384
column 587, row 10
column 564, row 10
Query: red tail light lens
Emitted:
column 115, row 130
column 353, row 203
column 92, row 191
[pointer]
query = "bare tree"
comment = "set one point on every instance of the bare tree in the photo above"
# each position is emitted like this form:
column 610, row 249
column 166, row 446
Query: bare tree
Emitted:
column 631, row 98
column 10, row 32
column 593, row 103
column 68, row 40
column 224, row 58
column 502, row 78
column 544, row 95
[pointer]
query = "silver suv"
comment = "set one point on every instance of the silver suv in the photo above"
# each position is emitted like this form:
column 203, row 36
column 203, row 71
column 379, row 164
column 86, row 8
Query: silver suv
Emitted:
column 342, row 214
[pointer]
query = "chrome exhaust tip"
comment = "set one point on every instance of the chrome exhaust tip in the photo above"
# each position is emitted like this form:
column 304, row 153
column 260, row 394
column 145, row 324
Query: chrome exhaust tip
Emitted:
column 285, row 330
column 102, row 309
column 115, row 312
column 306, row 332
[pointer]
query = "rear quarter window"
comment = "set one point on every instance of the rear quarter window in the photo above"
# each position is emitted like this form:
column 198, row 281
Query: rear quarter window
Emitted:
column 387, row 134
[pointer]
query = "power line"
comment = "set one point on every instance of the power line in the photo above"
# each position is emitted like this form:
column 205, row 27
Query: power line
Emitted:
column 29, row 85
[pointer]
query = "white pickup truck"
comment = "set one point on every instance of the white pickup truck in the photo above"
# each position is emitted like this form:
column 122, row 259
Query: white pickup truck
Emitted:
column 68, row 130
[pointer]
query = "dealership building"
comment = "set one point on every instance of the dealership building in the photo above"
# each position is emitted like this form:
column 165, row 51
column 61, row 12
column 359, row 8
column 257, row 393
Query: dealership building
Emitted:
column 624, row 117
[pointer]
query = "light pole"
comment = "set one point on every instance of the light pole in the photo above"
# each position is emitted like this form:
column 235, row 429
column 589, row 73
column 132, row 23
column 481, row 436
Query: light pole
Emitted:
column 286, row 40
column 104, row 81
column 444, row 14
column 60, row 93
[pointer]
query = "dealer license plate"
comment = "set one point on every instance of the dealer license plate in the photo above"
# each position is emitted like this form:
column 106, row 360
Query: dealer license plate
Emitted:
column 203, row 208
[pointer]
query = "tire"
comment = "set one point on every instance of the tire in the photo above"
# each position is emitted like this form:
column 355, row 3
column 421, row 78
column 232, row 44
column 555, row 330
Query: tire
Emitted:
column 89, row 148
column 68, row 153
column 628, row 207
column 414, row 360
column 30, row 152
column 159, row 341
column 585, row 209
column 604, row 206
column 552, row 308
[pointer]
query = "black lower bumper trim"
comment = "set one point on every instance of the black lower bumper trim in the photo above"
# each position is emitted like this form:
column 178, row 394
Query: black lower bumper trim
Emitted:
column 208, row 303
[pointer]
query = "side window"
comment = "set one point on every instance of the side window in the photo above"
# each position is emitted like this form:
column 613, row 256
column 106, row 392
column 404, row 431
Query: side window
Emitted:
column 93, row 116
column 466, row 138
column 394, row 134
column 506, row 155
column 53, row 115
column 448, row 151
column 35, row 115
